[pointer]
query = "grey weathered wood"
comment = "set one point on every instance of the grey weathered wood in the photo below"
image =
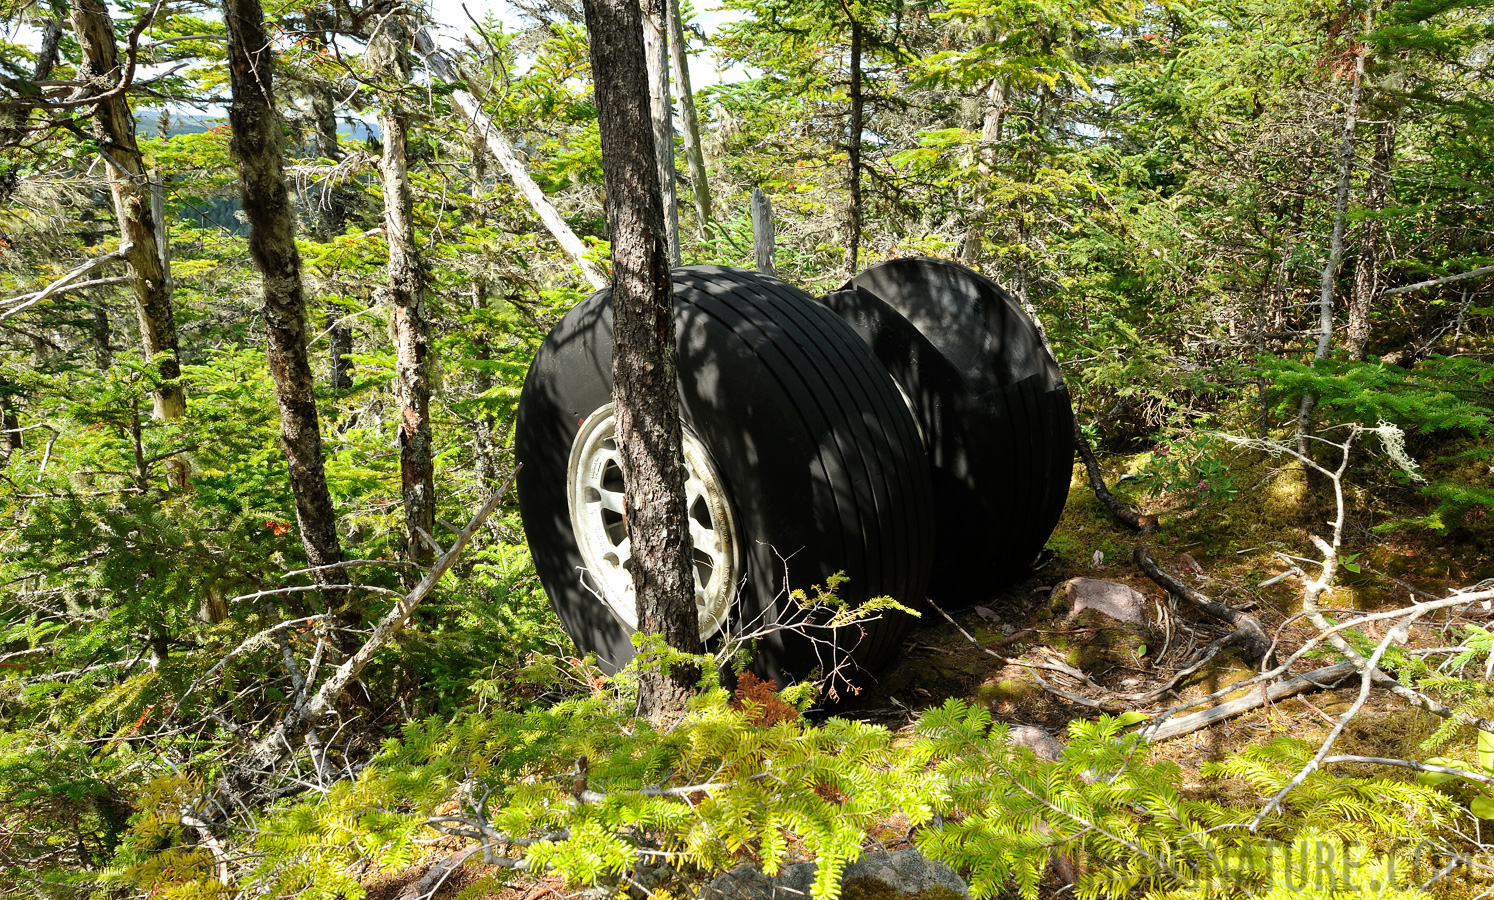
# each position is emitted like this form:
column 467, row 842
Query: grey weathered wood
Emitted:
column 1346, row 158
column 661, row 115
column 1446, row 279
column 405, row 291
column 689, row 120
column 158, row 212
column 1315, row 680
column 762, row 232
column 470, row 110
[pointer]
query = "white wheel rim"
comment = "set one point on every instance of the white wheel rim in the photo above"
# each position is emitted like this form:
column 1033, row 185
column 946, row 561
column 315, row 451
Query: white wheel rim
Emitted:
column 594, row 490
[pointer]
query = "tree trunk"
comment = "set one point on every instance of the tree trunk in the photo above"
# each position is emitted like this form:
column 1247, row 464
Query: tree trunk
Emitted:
column 998, row 98
column 103, row 353
column 12, row 438
column 484, row 451
column 661, row 114
column 1366, row 266
column 1335, row 259
column 114, row 129
column 13, row 127
column 853, row 155
column 406, row 294
column 645, row 394
column 689, row 120
column 762, row 232
column 331, row 207
column 470, row 110
column 256, row 144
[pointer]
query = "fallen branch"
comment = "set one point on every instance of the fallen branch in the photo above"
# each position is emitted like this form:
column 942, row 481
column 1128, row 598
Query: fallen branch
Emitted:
column 428, row 884
column 468, row 107
column 242, row 776
column 1409, row 764
column 1316, row 680
column 1253, row 640
column 65, row 283
column 1436, row 282
column 1126, row 514
column 1032, row 667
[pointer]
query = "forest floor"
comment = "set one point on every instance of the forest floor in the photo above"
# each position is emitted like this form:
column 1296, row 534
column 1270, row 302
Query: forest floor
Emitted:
column 1230, row 550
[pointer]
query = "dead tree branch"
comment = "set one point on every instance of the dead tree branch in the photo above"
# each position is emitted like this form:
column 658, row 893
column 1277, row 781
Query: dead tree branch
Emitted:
column 243, row 776
column 1165, row 729
column 65, row 283
column 1253, row 639
column 1436, row 282
column 1127, row 515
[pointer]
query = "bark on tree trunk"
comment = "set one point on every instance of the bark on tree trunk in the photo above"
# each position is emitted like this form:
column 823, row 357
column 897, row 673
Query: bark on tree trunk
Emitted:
column 103, row 353
column 13, row 438
column 853, row 155
column 1366, row 266
column 484, row 452
column 689, row 120
column 114, row 129
column 256, row 144
column 661, row 112
column 1335, row 259
column 645, row 397
column 406, row 294
column 13, row 127
column 762, row 232
column 470, row 110
column 331, row 207
column 998, row 98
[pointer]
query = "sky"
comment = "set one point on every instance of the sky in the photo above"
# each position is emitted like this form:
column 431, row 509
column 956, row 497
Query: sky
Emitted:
column 704, row 69
column 454, row 23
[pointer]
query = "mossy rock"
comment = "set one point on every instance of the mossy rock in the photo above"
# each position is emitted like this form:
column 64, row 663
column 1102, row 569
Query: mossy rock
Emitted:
column 872, row 889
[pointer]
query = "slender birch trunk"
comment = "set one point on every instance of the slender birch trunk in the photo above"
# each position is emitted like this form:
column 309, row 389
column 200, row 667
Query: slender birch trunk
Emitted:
column 405, row 293
column 689, row 121
column 661, row 115
column 113, row 126
column 1331, row 266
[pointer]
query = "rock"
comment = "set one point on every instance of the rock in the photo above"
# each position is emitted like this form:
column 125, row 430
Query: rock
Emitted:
column 745, row 881
column 905, row 871
column 1040, row 742
column 1120, row 602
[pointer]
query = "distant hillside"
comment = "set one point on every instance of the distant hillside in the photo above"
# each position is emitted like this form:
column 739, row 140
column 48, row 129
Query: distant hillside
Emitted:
column 196, row 123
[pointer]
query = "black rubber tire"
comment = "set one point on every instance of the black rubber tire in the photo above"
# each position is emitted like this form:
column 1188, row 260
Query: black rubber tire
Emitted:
column 992, row 407
column 819, row 457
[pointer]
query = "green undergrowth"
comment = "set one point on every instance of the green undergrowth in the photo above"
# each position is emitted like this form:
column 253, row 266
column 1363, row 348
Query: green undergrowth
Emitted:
column 716, row 788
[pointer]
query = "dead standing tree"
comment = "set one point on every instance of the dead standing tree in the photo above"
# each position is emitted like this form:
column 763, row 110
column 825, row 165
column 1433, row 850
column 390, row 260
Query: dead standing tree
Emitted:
column 644, row 394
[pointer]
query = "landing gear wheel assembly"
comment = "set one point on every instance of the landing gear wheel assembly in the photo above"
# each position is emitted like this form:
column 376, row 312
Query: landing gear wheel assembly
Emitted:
column 991, row 405
column 803, row 461
column 594, row 492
